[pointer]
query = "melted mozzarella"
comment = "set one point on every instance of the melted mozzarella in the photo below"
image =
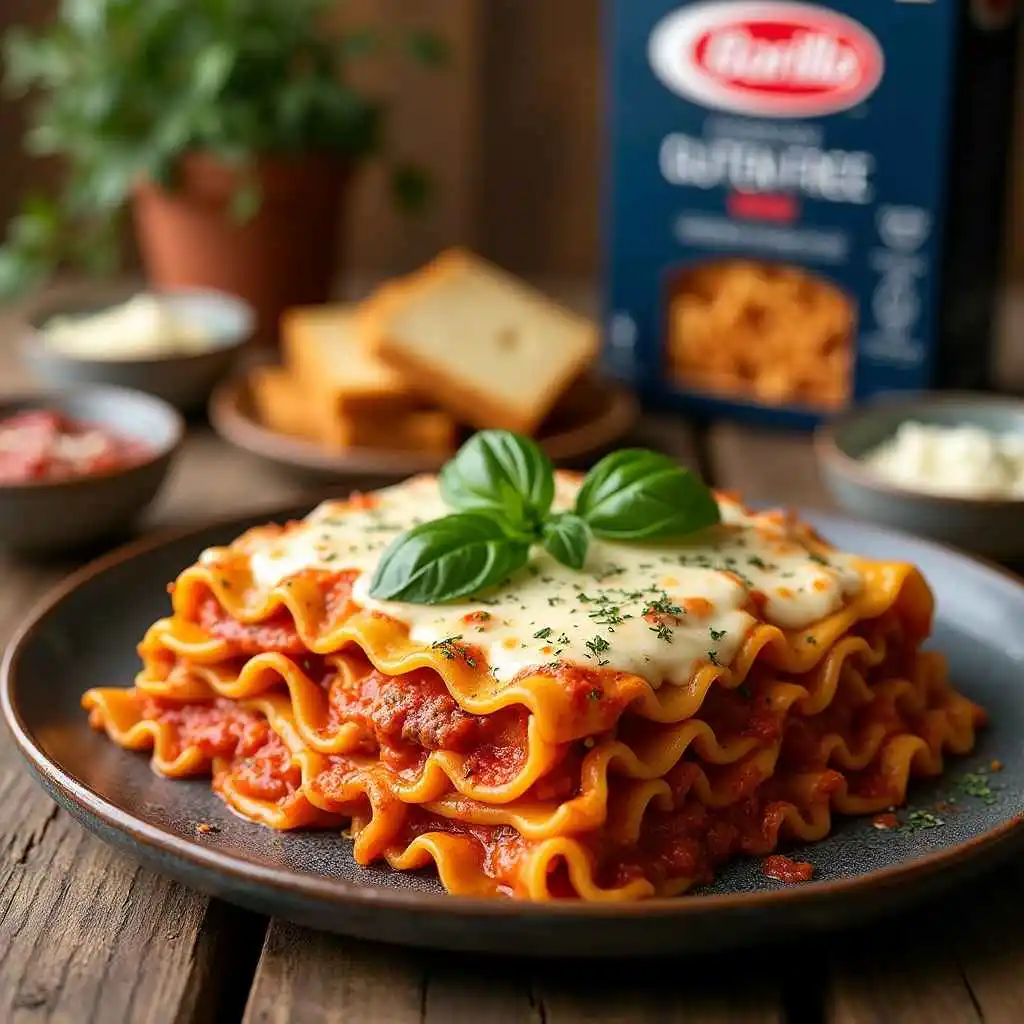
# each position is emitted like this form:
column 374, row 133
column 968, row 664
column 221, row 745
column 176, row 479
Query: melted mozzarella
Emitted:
column 656, row 610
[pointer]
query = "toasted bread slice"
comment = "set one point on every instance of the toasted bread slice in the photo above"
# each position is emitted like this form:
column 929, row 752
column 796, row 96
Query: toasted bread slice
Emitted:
column 427, row 431
column 479, row 342
column 324, row 350
column 282, row 405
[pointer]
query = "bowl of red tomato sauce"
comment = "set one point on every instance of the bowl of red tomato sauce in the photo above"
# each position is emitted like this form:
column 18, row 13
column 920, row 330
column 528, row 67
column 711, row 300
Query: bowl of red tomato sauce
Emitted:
column 78, row 466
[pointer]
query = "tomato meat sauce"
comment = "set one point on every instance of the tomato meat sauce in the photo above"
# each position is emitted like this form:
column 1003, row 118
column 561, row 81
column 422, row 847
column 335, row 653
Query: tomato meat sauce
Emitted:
column 413, row 713
column 277, row 632
column 218, row 729
column 40, row 445
column 785, row 869
column 267, row 774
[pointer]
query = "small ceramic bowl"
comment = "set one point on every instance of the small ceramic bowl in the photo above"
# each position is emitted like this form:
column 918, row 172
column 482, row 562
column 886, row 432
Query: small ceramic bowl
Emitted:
column 184, row 380
column 986, row 526
column 49, row 517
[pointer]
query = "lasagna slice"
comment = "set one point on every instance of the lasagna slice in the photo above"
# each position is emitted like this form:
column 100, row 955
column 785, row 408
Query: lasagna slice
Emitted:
column 613, row 733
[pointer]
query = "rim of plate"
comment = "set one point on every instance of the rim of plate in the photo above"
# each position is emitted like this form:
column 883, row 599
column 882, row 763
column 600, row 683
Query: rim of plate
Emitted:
column 342, row 893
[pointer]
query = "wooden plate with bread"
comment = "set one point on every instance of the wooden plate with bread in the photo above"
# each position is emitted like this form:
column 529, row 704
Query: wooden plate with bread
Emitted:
column 393, row 384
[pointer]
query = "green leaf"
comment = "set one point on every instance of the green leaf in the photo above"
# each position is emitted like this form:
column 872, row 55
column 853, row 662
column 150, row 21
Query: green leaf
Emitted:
column 358, row 43
column 19, row 273
column 447, row 559
column 37, row 227
column 212, row 68
column 503, row 474
column 566, row 538
column 246, row 201
column 411, row 187
column 427, row 48
column 636, row 494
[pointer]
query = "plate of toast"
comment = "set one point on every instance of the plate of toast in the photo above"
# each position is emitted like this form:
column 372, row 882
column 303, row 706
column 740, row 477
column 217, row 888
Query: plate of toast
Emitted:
column 393, row 384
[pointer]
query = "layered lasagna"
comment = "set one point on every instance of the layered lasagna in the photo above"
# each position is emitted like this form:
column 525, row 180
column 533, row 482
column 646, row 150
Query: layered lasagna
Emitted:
column 613, row 733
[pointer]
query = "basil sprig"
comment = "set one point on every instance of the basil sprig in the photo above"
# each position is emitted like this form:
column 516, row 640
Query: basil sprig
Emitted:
column 502, row 487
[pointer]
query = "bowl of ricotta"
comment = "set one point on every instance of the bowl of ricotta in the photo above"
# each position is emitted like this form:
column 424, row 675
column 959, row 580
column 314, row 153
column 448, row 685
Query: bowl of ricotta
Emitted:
column 944, row 465
column 173, row 344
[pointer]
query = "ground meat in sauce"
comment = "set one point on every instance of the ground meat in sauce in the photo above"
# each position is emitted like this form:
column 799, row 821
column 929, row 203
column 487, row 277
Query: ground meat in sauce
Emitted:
column 416, row 709
column 276, row 633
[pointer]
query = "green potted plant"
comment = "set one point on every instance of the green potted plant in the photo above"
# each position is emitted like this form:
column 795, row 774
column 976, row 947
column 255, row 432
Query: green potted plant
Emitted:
column 230, row 129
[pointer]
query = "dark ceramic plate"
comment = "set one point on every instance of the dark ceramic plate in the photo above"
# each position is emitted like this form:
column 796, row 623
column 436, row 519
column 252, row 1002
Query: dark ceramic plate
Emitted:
column 591, row 417
column 84, row 635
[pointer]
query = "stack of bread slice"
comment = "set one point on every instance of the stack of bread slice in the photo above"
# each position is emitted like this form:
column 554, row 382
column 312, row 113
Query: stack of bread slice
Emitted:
column 457, row 344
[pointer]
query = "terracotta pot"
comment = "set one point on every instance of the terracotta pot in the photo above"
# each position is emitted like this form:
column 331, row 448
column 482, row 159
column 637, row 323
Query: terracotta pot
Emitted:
column 286, row 255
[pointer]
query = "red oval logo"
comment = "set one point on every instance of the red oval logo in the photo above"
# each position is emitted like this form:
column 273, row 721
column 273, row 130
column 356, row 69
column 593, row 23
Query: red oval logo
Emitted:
column 768, row 59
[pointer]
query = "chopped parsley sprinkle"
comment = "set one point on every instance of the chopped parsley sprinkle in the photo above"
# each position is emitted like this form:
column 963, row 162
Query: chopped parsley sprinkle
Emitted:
column 812, row 640
column 563, row 639
column 918, row 820
column 598, row 645
column 382, row 528
column 713, row 658
column 975, row 784
column 609, row 570
column 542, row 634
column 595, row 694
column 662, row 632
column 716, row 634
column 608, row 615
column 552, row 601
column 662, row 606
column 814, row 557
column 449, row 648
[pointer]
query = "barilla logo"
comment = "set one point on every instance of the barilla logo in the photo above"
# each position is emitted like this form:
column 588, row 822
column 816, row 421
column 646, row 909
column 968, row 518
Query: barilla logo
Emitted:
column 766, row 59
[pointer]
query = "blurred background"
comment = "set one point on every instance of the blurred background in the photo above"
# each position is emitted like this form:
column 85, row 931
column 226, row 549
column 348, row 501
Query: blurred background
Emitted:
column 512, row 124
column 290, row 154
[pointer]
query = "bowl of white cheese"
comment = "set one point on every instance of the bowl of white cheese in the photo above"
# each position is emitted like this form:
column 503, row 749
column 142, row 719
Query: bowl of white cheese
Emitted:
column 944, row 465
column 174, row 344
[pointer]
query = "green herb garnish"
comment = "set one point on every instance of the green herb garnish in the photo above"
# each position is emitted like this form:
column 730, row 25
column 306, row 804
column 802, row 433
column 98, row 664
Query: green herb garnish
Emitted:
column 976, row 785
column 917, row 820
column 501, row 487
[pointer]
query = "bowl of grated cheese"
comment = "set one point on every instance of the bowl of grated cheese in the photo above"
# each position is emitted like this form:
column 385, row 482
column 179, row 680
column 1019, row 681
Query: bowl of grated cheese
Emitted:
column 944, row 465
column 174, row 344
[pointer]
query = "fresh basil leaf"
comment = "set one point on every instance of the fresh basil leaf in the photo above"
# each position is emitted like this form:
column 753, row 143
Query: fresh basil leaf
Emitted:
column 566, row 537
column 636, row 494
column 445, row 559
column 500, row 472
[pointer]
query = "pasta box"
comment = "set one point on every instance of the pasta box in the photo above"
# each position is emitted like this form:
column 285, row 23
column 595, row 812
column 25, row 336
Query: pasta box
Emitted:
column 806, row 200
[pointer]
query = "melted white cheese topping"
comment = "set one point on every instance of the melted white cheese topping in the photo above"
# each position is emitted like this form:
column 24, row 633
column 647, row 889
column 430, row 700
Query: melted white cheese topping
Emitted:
column 656, row 610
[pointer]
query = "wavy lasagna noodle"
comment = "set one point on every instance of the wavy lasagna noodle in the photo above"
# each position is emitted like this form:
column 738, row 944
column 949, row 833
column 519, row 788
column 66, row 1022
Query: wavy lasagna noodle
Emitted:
column 611, row 734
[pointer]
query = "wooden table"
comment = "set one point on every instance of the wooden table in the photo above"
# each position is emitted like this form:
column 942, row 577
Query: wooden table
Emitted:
column 86, row 935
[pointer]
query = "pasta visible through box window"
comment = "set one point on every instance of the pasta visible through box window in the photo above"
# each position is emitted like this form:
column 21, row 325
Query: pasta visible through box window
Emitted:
column 611, row 733
column 773, row 334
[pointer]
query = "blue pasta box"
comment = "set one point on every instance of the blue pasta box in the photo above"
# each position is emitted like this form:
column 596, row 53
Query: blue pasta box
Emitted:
column 806, row 201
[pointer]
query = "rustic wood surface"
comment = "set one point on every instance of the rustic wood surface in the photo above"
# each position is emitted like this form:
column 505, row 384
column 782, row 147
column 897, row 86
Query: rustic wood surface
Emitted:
column 86, row 935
